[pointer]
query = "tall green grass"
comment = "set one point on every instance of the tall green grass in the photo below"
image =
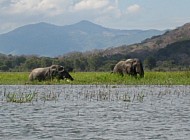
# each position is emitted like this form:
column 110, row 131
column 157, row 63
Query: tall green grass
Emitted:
column 12, row 78
column 151, row 78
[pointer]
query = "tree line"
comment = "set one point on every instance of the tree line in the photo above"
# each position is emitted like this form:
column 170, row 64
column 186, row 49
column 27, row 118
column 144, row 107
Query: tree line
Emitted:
column 72, row 62
column 88, row 62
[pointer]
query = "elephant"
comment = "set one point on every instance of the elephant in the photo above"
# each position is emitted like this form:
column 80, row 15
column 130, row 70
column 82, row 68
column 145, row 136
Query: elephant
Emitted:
column 130, row 66
column 47, row 73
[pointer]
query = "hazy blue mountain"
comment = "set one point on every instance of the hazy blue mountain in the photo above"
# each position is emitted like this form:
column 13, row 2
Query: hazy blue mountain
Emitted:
column 50, row 40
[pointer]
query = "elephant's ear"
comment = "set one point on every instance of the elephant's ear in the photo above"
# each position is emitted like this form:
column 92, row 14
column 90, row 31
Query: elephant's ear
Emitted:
column 61, row 68
column 53, row 67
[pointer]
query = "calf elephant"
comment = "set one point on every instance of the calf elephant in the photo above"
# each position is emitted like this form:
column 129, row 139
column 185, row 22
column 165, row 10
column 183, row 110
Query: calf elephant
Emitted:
column 47, row 73
column 130, row 66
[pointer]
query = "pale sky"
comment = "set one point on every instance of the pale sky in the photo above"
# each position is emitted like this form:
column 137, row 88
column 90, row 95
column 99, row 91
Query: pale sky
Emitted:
column 117, row 14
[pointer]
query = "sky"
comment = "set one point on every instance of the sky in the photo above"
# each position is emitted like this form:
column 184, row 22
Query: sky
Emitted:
column 117, row 14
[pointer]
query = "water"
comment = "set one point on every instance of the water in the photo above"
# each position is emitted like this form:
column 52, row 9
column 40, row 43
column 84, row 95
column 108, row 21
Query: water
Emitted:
column 80, row 112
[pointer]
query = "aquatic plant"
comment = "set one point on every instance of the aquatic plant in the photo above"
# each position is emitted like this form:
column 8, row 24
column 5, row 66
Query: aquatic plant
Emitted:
column 20, row 98
column 51, row 96
column 126, row 98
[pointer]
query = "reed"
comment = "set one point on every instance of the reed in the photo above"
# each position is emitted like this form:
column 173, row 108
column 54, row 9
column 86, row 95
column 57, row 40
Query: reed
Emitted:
column 20, row 98
column 89, row 93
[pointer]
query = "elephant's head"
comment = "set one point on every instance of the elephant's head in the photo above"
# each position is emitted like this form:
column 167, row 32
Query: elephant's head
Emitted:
column 130, row 68
column 59, row 72
column 138, row 67
column 54, row 70
column 57, row 67
column 64, row 75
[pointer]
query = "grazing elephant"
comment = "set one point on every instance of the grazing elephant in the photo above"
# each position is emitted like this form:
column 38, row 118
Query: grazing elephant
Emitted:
column 130, row 66
column 47, row 73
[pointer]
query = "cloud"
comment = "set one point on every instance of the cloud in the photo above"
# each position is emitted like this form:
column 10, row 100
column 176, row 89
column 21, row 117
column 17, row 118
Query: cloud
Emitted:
column 99, row 11
column 51, row 7
column 133, row 8
column 90, row 4
column 32, row 7
column 15, row 13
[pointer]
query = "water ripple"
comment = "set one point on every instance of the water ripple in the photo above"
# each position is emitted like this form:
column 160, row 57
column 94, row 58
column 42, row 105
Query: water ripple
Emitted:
column 96, row 112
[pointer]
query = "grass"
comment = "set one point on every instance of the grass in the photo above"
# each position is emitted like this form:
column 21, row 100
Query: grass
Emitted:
column 80, row 78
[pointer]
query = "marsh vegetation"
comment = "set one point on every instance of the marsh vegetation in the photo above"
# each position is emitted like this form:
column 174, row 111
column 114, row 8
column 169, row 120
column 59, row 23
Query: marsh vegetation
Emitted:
column 150, row 78
column 96, row 105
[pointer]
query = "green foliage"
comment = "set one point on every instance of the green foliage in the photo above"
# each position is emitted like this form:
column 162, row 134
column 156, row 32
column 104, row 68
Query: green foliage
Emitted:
column 151, row 78
column 13, row 78
column 150, row 62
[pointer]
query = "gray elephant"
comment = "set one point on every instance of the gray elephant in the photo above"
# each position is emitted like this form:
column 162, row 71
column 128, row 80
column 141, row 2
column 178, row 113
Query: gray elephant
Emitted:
column 130, row 66
column 47, row 73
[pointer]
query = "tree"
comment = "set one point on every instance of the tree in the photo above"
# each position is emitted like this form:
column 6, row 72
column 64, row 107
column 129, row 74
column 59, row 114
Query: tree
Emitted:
column 150, row 62
column 32, row 63
column 45, row 61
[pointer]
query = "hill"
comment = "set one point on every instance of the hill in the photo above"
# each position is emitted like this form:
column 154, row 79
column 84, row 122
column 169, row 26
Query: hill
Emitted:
column 172, row 49
column 154, row 43
column 177, row 53
column 45, row 39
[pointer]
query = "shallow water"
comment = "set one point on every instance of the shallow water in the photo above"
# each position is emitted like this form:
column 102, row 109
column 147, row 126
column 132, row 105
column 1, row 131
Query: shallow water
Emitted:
column 96, row 112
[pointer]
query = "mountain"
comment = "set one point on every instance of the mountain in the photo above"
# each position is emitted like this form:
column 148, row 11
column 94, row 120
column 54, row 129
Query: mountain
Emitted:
column 45, row 39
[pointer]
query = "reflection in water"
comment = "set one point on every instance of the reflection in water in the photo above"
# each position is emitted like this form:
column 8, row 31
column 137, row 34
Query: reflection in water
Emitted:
column 96, row 112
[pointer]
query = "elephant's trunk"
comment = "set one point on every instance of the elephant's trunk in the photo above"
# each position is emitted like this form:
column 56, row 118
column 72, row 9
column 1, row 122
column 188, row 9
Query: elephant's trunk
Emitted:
column 141, row 75
column 141, row 71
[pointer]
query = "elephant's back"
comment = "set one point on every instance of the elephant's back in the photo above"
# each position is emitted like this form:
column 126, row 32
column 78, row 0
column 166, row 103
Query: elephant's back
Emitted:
column 38, row 70
column 37, row 73
column 118, row 66
column 129, row 61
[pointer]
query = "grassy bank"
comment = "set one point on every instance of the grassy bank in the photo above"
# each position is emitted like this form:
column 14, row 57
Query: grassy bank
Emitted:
column 151, row 78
